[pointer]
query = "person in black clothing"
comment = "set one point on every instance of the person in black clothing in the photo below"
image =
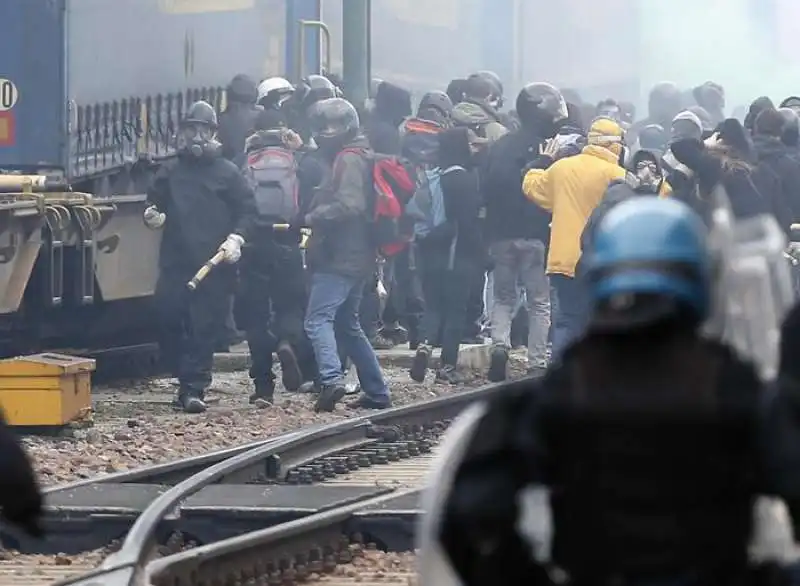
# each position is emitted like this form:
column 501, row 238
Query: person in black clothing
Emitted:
column 754, row 110
column 451, row 255
column 790, row 134
column 727, row 158
column 236, row 123
column 517, row 230
column 200, row 200
column 638, row 459
column 392, row 107
column 777, row 175
column 238, row 120
column 272, row 296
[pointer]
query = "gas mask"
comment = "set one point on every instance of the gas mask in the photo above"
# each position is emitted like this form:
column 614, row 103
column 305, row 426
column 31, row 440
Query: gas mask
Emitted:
column 196, row 140
column 645, row 178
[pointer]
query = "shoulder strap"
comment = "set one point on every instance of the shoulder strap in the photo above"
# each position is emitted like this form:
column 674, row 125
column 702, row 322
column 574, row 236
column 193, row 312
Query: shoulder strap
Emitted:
column 452, row 168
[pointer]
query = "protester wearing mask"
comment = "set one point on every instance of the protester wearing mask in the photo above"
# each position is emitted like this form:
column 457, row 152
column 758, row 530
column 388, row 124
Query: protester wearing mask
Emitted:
column 518, row 231
column 200, row 201
column 341, row 257
column 476, row 110
column 570, row 189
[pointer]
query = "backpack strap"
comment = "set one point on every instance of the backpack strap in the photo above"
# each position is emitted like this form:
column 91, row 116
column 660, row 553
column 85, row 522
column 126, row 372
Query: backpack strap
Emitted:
column 452, row 168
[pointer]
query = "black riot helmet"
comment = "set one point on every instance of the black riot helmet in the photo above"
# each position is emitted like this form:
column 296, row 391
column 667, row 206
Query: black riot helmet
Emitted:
column 790, row 133
column 496, row 98
column 540, row 107
column 197, row 130
column 436, row 100
column 308, row 92
column 664, row 103
column 334, row 123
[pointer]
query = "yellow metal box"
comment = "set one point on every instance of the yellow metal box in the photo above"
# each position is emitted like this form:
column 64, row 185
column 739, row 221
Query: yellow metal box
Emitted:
column 45, row 389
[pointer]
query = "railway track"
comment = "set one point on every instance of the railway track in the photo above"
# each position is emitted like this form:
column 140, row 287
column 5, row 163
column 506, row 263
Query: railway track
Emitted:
column 333, row 504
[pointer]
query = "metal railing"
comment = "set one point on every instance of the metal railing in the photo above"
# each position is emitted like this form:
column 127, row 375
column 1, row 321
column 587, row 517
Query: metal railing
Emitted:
column 105, row 136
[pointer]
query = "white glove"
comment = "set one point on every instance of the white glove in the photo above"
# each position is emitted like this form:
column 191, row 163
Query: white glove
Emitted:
column 153, row 219
column 232, row 247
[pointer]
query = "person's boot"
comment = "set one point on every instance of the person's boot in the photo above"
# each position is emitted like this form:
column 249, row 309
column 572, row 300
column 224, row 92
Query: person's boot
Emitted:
column 329, row 395
column 448, row 374
column 263, row 396
column 419, row 367
column 498, row 364
column 381, row 343
column 290, row 370
column 395, row 332
column 191, row 402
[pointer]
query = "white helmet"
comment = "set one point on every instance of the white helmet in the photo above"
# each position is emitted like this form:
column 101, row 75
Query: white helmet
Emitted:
column 274, row 91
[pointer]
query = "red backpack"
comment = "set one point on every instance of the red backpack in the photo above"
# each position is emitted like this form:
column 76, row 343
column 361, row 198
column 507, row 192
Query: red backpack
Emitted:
column 393, row 184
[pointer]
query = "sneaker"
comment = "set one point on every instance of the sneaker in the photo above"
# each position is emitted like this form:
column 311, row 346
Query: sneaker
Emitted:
column 497, row 365
column 263, row 402
column 449, row 375
column 290, row 371
column 329, row 395
column 395, row 332
column 536, row 371
column 365, row 402
column 381, row 343
column 419, row 367
column 308, row 387
column 263, row 392
column 192, row 404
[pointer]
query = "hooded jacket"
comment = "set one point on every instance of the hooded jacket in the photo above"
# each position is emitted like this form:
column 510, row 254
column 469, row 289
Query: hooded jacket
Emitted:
column 479, row 116
column 462, row 199
column 339, row 216
column 571, row 189
column 509, row 214
column 778, row 176
column 238, row 121
column 392, row 106
column 731, row 162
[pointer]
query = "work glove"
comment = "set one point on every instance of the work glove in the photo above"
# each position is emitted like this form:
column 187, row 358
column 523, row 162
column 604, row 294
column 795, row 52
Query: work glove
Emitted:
column 20, row 498
column 153, row 219
column 232, row 247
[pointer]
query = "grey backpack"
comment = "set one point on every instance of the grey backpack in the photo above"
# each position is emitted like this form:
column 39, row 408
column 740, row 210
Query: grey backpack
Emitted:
column 272, row 172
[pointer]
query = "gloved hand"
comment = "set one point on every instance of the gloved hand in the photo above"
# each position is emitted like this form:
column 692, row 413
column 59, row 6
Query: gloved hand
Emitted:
column 232, row 247
column 153, row 219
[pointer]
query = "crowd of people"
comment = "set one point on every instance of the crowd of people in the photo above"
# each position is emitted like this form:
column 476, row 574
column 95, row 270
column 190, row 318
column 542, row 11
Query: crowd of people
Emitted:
column 348, row 228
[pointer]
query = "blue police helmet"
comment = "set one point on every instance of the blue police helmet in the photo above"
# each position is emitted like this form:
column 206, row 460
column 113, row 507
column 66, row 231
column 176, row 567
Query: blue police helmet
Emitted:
column 653, row 247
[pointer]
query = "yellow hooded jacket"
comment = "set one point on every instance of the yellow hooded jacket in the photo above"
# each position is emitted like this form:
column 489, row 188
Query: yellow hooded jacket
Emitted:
column 571, row 188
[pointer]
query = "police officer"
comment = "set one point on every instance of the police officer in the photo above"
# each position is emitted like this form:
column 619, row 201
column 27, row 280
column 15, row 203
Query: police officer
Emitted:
column 638, row 459
column 200, row 201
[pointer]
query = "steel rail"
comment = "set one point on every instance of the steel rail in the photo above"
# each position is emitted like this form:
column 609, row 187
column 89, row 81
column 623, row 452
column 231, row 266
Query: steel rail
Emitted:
column 125, row 567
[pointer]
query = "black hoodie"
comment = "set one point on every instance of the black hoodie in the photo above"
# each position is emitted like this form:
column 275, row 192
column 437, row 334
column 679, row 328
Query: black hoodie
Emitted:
column 392, row 106
column 462, row 202
column 779, row 172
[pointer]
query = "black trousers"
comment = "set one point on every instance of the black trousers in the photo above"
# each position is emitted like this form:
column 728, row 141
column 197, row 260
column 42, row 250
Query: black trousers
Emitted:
column 406, row 303
column 447, row 293
column 270, row 308
column 191, row 322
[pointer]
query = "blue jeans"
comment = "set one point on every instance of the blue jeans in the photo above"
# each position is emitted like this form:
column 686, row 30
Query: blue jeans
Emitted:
column 569, row 312
column 334, row 299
